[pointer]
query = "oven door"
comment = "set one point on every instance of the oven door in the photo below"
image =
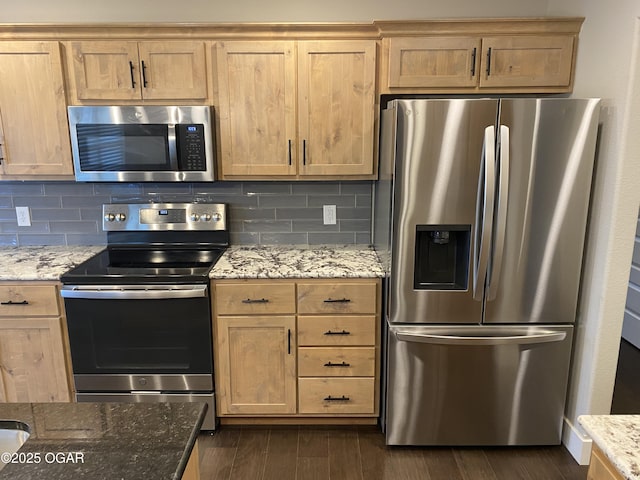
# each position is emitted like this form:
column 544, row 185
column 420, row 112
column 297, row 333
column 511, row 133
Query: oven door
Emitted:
column 140, row 337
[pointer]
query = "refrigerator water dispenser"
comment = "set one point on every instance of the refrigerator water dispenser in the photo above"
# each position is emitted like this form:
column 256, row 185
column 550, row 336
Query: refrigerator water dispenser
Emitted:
column 442, row 257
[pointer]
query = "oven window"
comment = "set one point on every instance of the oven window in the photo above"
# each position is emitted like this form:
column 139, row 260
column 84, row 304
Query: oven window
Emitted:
column 142, row 147
column 170, row 336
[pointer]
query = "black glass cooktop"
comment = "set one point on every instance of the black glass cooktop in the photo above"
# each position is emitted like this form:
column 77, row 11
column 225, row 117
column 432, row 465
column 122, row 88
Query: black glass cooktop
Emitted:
column 145, row 265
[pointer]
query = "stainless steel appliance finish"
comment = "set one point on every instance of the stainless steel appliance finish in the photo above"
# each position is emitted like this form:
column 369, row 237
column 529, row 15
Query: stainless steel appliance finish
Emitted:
column 145, row 143
column 489, row 207
column 139, row 313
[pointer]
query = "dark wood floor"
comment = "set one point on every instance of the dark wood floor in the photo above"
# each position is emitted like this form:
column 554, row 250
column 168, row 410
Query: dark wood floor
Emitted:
column 352, row 453
column 626, row 392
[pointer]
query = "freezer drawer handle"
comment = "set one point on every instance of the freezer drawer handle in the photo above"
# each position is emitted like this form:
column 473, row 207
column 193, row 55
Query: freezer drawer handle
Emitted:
column 342, row 364
column 11, row 302
column 542, row 337
column 259, row 300
column 343, row 332
column 337, row 300
column 336, row 399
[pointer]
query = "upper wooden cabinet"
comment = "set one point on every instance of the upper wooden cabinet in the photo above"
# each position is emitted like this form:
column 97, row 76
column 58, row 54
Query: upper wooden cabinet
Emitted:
column 34, row 136
column 517, row 56
column 149, row 70
column 297, row 109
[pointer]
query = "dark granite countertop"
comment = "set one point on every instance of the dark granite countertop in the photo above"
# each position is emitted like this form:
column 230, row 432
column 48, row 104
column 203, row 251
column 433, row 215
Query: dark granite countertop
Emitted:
column 97, row 441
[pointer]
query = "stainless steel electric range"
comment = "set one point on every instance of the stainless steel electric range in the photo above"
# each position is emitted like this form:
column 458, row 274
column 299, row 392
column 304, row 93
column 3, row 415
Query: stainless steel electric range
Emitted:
column 139, row 312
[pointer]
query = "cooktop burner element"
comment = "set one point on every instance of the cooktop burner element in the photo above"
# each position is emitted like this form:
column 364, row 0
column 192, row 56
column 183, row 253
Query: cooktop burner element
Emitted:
column 156, row 243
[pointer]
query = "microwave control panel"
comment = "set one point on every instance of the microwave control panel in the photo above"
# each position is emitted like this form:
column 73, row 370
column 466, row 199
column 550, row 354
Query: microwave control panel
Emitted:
column 191, row 151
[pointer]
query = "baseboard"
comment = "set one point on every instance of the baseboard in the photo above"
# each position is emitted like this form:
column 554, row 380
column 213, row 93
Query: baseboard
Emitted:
column 578, row 444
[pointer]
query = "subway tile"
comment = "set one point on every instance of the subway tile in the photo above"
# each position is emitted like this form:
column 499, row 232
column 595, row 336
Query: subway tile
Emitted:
column 68, row 189
column 315, row 188
column 21, row 188
column 283, row 238
column 55, row 214
column 115, row 189
column 363, row 201
column 331, row 238
column 217, row 188
column 35, row 227
column 267, row 226
column 166, row 188
column 84, row 201
column 6, row 202
column 241, row 213
column 360, row 188
column 266, row 201
column 350, row 225
column 363, row 238
column 74, row 227
column 244, row 238
column 338, row 200
column 8, row 214
column 86, row 239
column 31, row 240
column 353, row 213
column 236, row 200
column 8, row 240
column 94, row 214
column 298, row 213
column 38, row 202
column 313, row 226
column 235, row 225
column 262, row 188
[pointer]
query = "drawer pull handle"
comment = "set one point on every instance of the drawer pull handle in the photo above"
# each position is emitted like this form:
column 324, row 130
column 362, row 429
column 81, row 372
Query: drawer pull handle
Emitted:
column 342, row 364
column 336, row 399
column 343, row 332
column 11, row 302
column 260, row 300
column 337, row 300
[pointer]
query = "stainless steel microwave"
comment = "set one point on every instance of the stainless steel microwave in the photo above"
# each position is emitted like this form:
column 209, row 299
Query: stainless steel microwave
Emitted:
column 142, row 143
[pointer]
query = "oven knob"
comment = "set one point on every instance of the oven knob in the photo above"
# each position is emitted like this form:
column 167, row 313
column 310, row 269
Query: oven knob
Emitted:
column 121, row 217
column 206, row 217
column 195, row 217
column 109, row 217
column 217, row 217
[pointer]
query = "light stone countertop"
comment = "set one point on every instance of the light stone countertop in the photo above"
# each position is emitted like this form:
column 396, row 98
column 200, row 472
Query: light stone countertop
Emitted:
column 298, row 261
column 618, row 436
column 42, row 262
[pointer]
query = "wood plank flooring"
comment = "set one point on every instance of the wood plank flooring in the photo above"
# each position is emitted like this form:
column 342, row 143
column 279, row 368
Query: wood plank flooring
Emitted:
column 359, row 453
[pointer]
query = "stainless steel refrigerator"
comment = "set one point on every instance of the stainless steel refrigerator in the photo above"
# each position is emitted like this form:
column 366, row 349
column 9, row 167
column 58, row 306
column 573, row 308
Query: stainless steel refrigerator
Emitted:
column 480, row 216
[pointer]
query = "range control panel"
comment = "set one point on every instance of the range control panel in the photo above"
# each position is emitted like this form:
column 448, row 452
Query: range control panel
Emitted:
column 164, row 216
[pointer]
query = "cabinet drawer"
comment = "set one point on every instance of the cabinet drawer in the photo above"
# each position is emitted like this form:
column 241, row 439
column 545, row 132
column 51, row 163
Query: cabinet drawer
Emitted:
column 336, row 395
column 336, row 362
column 336, row 298
column 254, row 298
column 28, row 300
column 337, row 330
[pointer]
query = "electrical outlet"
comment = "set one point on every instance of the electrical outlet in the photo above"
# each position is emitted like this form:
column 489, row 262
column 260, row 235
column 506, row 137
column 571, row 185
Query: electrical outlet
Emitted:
column 329, row 214
column 23, row 215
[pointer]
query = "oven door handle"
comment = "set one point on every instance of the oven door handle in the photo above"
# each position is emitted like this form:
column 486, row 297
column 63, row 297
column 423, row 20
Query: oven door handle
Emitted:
column 133, row 292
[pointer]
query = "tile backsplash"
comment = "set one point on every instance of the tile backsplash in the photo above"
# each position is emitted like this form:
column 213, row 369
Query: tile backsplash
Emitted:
column 69, row 213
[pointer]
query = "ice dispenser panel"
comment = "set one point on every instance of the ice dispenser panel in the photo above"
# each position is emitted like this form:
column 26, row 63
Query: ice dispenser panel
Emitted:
column 442, row 257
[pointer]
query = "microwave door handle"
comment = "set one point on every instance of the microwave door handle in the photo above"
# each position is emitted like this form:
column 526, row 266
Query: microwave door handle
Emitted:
column 484, row 213
column 495, row 269
column 173, row 150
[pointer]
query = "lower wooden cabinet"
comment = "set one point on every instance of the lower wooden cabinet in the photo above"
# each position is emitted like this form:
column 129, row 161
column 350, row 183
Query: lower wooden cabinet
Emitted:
column 32, row 354
column 299, row 349
column 600, row 468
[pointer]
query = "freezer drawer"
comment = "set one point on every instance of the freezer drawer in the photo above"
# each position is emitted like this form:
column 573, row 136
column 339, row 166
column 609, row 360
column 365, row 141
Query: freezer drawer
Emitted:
column 476, row 385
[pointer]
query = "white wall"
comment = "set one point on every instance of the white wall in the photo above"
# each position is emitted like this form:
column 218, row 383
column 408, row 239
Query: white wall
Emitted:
column 258, row 10
column 606, row 68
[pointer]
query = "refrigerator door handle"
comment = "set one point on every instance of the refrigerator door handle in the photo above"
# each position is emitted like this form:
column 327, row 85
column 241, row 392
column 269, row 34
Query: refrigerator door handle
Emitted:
column 495, row 267
column 479, row 340
column 484, row 212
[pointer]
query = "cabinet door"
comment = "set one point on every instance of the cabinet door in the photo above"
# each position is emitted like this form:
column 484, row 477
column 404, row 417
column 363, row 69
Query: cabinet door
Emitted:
column 106, row 70
column 527, row 61
column 336, row 88
column 257, row 108
column 173, row 70
column 430, row 62
column 32, row 366
column 256, row 365
column 34, row 135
